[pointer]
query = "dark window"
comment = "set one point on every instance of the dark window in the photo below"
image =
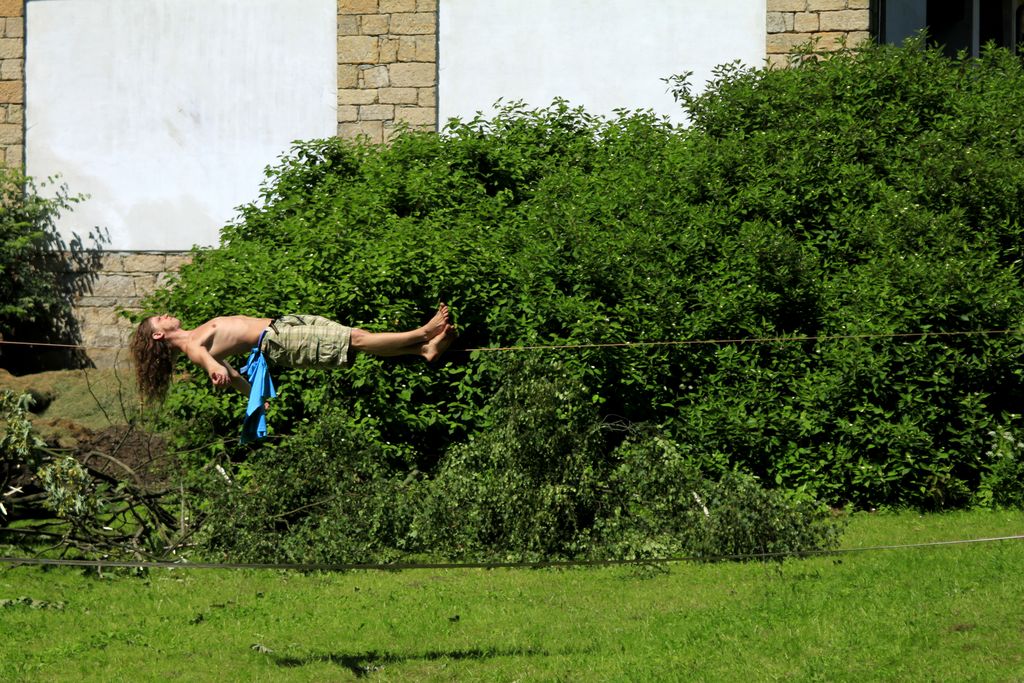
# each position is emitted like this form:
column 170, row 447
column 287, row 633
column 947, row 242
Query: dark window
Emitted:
column 954, row 24
column 1019, row 32
column 950, row 24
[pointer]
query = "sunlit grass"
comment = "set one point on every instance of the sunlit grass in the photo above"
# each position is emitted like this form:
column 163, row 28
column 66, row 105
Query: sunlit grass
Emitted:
column 940, row 613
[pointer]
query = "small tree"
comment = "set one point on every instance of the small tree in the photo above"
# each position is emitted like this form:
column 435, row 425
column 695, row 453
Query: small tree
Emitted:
column 38, row 287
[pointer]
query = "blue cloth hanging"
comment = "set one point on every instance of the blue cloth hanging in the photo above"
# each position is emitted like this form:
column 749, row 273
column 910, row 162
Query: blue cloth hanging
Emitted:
column 261, row 388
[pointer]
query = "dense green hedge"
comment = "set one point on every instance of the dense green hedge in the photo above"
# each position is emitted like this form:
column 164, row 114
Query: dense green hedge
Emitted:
column 537, row 483
column 869, row 194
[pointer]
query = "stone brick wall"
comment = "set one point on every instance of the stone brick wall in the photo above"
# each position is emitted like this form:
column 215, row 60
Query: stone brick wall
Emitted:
column 387, row 67
column 830, row 22
column 12, row 82
column 118, row 282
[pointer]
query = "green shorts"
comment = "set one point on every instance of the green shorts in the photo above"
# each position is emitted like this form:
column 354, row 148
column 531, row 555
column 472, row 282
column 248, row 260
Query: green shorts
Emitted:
column 306, row 341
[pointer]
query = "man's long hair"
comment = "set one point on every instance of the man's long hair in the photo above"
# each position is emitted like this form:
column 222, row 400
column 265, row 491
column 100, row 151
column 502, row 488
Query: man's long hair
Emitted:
column 154, row 362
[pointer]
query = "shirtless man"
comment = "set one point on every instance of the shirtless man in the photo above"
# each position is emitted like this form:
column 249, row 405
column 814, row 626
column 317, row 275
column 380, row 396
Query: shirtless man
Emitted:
column 291, row 341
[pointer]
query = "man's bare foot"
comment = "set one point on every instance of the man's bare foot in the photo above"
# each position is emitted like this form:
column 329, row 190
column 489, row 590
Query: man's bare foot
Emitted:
column 433, row 349
column 436, row 325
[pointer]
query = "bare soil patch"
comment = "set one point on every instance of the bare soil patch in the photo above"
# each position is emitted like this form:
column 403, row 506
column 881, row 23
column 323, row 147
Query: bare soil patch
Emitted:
column 94, row 415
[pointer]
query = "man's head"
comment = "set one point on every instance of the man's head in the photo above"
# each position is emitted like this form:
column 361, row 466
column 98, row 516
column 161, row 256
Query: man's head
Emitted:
column 153, row 356
column 160, row 325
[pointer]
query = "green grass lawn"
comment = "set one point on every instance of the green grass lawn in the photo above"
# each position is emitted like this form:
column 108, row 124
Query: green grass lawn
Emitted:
column 949, row 613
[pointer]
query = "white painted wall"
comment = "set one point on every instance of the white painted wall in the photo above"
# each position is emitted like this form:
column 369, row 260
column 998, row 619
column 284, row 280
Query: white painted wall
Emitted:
column 601, row 54
column 167, row 111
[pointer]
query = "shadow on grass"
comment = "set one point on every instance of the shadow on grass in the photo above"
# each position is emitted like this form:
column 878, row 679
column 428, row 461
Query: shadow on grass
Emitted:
column 368, row 662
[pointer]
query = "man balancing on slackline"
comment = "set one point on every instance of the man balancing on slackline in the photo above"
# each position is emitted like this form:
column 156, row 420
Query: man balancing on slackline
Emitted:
column 295, row 341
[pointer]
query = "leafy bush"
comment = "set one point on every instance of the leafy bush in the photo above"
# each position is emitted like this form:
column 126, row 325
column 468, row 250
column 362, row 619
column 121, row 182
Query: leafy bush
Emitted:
column 27, row 293
column 19, row 445
column 852, row 200
column 657, row 503
column 531, row 485
column 1003, row 484
column 524, row 486
column 742, row 517
column 35, row 295
column 335, row 492
column 71, row 493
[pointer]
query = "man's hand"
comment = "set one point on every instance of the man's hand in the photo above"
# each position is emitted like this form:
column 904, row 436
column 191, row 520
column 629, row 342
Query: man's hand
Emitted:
column 219, row 378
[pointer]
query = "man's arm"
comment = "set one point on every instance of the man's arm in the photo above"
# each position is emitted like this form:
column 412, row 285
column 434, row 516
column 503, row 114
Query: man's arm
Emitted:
column 240, row 384
column 221, row 373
